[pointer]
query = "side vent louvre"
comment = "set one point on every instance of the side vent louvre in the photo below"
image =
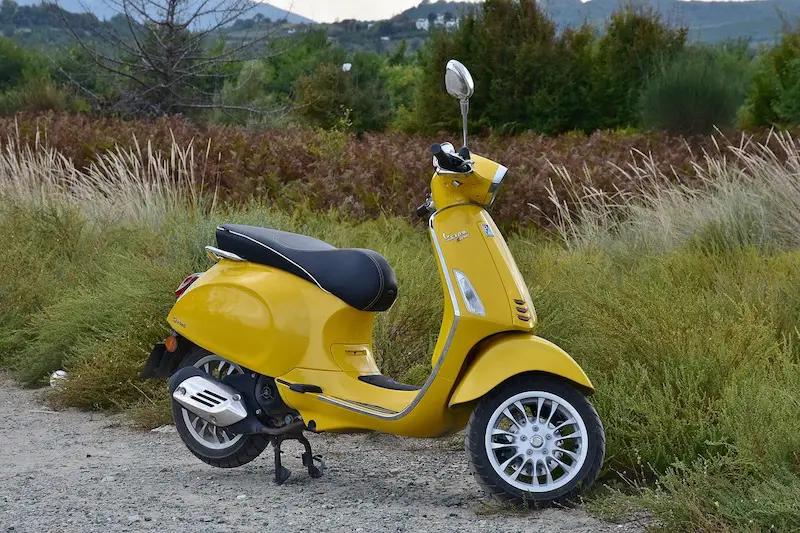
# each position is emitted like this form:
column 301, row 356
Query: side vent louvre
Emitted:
column 208, row 398
column 522, row 309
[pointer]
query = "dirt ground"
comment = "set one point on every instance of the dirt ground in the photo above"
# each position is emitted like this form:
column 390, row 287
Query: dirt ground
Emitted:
column 72, row 471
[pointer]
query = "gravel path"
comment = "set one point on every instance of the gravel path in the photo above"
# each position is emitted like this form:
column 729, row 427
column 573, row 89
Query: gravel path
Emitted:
column 78, row 472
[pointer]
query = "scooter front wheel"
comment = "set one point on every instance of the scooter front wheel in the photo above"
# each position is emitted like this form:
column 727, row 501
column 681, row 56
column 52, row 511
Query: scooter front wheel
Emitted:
column 535, row 440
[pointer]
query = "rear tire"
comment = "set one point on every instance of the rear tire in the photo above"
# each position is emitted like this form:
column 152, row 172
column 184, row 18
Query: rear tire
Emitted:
column 211, row 444
column 551, row 455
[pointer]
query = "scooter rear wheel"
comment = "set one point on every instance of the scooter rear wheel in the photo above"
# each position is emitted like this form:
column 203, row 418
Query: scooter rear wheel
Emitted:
column 535, row 440
column 211, row 444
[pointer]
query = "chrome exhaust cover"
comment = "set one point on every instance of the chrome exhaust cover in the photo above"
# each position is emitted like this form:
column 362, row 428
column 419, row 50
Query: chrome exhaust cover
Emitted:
column 211, row 400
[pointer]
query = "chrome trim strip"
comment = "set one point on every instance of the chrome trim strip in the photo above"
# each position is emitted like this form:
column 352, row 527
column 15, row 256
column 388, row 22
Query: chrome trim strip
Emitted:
column 496, row 181
column 215, row 254
column 500, row 174
column 456, row 314
column 276, row 252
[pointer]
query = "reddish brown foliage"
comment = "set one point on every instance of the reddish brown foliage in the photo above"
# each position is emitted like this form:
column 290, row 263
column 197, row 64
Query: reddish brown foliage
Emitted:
column 379, row 173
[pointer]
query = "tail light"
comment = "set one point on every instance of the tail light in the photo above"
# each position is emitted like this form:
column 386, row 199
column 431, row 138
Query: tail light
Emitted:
column 186, row 283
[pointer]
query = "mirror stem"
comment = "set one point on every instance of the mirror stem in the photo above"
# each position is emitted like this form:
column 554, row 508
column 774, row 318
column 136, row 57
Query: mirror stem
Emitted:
column 464, row 112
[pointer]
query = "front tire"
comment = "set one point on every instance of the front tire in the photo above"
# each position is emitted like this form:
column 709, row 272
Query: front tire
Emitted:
column 211, row 444
column 535, row 440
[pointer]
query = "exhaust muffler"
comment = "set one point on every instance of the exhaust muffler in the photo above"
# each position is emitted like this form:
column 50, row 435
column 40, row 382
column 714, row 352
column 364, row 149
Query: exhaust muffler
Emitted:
column 210, row 399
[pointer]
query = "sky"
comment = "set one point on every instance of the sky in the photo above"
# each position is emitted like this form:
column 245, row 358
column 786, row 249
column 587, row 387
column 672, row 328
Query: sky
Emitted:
column 331, row 10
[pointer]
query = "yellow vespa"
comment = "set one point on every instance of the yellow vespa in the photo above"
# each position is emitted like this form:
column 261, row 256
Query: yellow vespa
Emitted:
column 276, row 339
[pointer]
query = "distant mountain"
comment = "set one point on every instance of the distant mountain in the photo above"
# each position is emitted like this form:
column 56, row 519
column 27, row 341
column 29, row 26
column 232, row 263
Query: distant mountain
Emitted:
column 761, row 20
column 104, row 9
column 426, row 8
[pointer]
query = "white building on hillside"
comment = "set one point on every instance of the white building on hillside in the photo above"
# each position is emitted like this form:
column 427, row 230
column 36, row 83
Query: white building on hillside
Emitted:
column 423, row 24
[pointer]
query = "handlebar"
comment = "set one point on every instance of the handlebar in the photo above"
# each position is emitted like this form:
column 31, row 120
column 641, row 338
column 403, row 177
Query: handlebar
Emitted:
column 448, row 161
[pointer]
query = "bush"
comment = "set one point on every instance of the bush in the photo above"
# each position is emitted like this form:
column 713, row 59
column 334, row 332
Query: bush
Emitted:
column 774, row 99
column 38, row 96
column 635, row 41
column 17, row 65
column 359, row 98
column 694, row 93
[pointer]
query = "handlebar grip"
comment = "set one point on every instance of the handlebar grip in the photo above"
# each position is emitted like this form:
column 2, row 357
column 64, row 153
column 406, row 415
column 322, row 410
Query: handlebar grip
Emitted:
column 448, row 161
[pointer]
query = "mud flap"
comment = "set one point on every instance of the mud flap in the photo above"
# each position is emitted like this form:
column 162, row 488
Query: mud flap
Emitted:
column 161, row 364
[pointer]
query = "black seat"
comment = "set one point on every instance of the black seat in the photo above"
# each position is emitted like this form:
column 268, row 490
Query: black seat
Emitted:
column 362, row 278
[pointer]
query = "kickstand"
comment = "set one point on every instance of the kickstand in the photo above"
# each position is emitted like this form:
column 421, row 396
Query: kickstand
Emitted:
column 281, row 473
column 309, row 458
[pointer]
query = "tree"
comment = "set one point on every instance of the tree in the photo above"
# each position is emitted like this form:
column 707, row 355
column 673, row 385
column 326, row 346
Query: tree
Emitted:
column 161, row 61
column 774, row 99
column 635, row 44
column 330, row 97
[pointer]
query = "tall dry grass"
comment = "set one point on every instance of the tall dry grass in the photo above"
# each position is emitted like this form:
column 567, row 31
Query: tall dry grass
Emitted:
column 137, row 184
column 746, row 193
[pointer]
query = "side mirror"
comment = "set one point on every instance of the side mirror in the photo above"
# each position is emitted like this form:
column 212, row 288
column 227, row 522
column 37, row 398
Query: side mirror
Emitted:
column 458, row 80
column 459, row 85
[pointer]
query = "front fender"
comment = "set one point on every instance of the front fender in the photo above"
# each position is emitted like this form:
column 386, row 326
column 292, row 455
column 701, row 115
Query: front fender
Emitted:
column 507, row 355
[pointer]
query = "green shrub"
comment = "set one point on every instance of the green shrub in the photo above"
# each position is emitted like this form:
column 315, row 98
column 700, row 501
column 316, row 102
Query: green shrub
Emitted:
column 698, row 90
column 360, row 98
column 38, row 96
column 17, row 65
column 635, row 41
column 774, row 99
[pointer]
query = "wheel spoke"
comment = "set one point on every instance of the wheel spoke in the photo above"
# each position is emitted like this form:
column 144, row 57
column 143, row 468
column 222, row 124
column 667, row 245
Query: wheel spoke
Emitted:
column 499, row 445
column 508, row 415
column 569, row 422
column 522, row 411
column 539, row 403
column 568, row 452
column 548, row 474
column 534, row 473
column 207, row 368
column 498, row 431
column 508, row 462
column 516, row 472
column 563, row 465
column 576, row 435
column 202, row 430
column 553, row 409
column 231, row 368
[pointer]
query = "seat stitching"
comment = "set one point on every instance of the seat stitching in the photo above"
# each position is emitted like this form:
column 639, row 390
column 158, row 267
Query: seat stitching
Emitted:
column 380, row 290
column 280, row 254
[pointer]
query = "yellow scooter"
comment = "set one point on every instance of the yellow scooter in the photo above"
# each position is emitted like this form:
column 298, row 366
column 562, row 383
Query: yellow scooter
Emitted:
column 276, row 339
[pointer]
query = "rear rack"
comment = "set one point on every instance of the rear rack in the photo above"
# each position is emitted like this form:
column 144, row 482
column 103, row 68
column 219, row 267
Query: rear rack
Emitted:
column 215, row 254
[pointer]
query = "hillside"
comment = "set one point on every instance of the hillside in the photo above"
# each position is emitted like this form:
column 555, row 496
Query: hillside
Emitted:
column 103, row 9
column 710, row 22
column 760, row 20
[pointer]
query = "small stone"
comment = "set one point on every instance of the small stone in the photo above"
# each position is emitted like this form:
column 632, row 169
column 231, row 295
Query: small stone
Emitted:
column 134, row 518
column 108, row 479
column 241, row 497
column 169, row 428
